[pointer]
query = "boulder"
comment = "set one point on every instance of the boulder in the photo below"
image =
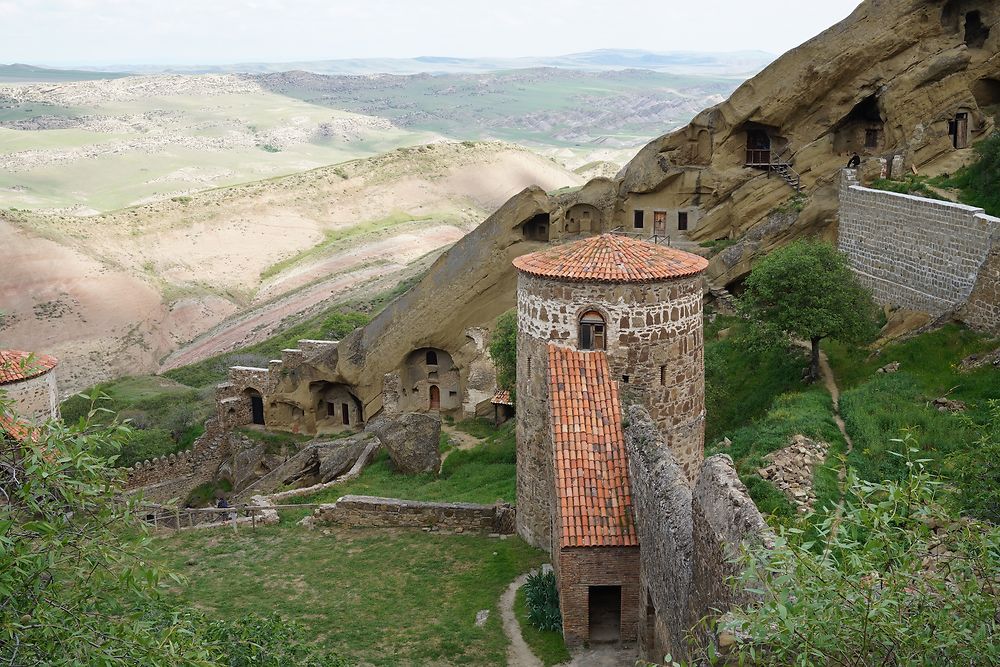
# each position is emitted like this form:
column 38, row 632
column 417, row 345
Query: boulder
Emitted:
column 412, row 440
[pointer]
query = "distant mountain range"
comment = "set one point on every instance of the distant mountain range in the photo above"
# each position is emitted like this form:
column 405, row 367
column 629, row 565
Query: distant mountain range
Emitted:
column 736, row 64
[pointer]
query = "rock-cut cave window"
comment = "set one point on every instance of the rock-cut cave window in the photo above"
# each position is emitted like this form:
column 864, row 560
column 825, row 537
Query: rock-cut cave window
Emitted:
column 432, row 358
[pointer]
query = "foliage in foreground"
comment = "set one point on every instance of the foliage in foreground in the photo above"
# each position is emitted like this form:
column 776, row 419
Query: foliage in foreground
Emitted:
column 893, row 580
column 542, row 598
column 806, row 290
column 76, row 584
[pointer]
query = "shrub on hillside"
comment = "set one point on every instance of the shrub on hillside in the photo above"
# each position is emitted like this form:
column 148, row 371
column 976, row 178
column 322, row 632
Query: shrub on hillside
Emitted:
column 891, row 579
column 978, row 181
column 503, row 350
column 542, row 597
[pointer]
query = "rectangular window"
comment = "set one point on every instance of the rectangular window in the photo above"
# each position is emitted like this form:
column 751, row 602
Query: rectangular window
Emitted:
column 639, row 218
column 682, row 221
column 331, row 409
column 871, row 138
column 624, row 379
column 663, row 376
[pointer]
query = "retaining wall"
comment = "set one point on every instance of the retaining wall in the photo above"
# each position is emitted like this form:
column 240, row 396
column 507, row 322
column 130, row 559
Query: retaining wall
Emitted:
column 372, row 512
column 916, row 253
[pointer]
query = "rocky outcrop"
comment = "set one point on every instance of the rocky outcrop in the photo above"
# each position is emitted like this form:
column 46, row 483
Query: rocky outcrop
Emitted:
column 412, row 440
column 792, row 470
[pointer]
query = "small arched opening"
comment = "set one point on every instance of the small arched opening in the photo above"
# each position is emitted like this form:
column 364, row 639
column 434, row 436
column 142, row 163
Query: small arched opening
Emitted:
column 593, row 331
column 976, row 32
column 335, row 406
column 862, row 130
column 432, row 358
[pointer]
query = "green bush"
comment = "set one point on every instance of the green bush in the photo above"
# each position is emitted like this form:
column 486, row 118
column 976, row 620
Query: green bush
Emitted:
column 978, row 181
column 542, row 598
column 911, row 185
column 890, row 579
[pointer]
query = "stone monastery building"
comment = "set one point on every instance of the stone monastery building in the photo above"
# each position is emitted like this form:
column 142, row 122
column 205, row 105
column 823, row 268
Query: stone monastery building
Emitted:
column 600, row 320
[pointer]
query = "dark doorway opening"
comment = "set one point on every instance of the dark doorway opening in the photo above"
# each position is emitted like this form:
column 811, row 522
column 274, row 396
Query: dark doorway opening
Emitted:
column 345, row 414
column 605, row 605
column 331, row 409
column 256, row 408
column 638, row 219
column 682, row 221
column 432, row 358
column 758, row 148
column 435, row 397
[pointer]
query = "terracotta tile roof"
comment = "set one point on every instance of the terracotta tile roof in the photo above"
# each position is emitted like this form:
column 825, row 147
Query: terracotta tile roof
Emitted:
column 15, row 365
column 502, row 398
column 16, row 428
column 591, row 464
column 612, row 258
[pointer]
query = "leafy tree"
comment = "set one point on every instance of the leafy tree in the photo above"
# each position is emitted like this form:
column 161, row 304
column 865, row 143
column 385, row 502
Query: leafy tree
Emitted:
column 503, row 349
column 891, row 580
column 806, row 290
column 77, row 585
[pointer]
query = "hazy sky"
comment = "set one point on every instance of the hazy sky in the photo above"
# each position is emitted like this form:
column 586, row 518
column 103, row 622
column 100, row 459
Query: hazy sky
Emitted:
column 61, row 32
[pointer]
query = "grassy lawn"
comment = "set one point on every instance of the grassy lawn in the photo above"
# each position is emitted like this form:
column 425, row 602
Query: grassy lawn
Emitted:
column 548, row 646
column 484, row 474
column 376, row 597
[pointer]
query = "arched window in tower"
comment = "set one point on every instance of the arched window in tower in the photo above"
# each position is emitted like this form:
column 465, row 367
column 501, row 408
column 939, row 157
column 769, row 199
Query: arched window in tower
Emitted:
column 593, row 331
column 432, row 358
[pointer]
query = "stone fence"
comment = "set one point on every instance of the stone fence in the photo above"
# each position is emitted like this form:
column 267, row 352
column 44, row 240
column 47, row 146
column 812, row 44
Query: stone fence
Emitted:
column 168, row 477
column 921, row 254
column 371, row 512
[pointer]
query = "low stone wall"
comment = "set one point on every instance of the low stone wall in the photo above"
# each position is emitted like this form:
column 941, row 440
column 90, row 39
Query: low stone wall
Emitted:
column 372, row 512
column 916, row 253
column 167, row 477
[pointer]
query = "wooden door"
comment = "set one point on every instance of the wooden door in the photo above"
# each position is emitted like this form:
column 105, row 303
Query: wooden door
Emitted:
column 435, row 396
column 962, row 130
column 660, row 223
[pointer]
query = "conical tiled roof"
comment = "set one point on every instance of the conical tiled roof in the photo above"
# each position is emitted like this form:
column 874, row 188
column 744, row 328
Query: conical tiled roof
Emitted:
column 612, row 258
column 16, row 365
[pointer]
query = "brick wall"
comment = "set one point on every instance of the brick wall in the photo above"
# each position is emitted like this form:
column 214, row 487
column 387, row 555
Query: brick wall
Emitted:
column 915, row 253
column 580, row 568
column 369, row 512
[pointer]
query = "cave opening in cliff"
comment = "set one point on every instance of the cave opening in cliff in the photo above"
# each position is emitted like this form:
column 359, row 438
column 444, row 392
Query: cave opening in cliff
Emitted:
column 537, row 228
column 862, row 130
column 976, row 32
column 986, row 92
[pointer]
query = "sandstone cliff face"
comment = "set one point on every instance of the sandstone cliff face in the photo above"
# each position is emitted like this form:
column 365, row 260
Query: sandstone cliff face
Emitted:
column 904, row 83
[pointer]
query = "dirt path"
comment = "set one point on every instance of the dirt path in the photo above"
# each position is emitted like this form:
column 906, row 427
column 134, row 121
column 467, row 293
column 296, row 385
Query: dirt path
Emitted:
column 460, row 439
column 518, row 653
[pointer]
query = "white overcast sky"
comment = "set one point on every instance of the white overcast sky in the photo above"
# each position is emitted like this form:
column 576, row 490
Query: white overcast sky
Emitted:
column 105, row 32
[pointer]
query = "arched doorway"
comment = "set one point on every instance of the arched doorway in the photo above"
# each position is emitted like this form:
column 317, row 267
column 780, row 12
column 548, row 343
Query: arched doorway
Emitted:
column 256, row 406
column 435, row 397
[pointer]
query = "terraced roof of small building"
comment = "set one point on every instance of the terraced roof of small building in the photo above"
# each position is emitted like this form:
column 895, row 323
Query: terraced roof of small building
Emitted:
column 502, row 398
column 16, row 365
column 612, row 258
column 591, row 462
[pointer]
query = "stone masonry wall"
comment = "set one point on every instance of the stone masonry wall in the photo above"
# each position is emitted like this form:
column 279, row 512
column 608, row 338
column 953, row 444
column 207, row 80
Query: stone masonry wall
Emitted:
column 535, row 476
column 35, row 399
column 661, row 501
column 914, row 253
column 371, row 512
column 687, row 537
column 982, row 310
column 174, row 476
column 723, row 518
column 654, row 339
column 579, row 569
